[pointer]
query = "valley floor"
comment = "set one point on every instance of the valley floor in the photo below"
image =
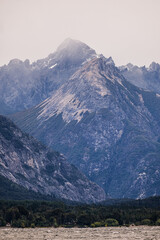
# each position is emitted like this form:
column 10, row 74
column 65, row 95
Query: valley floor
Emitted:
column 111, row 233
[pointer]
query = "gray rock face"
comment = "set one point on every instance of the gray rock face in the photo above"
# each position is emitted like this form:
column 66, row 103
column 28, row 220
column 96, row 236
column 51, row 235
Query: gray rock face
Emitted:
column 24, row 85
column 146, row 78
column 104, row 125
column 30, row 164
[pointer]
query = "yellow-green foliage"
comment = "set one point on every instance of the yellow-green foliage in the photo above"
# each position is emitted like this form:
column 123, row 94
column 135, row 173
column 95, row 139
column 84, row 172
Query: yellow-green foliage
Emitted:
column 111, row 222
column 97, row 224
column 158, row 222
column 146, row 222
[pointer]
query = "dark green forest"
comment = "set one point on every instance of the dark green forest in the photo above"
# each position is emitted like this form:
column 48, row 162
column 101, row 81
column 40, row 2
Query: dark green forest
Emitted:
column 55, row 214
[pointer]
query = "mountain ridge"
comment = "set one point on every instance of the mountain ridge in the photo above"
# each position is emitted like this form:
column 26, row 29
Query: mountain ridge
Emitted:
column 104, row 125
column 143, row 77
column 30, row 164
column 25, row 84
column 40, row 78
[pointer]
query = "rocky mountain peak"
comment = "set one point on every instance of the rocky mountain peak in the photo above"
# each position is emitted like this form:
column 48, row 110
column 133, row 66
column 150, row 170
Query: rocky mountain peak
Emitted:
column 68, row 43
column 97, row 68
column 18, row 64
column 15, row 61
column 99, row 62
column 85, row 91
column 128, row 67
column 74, row 46
column 144, row 77
column 24, row 85
column 154, row 66
column 70, row 54
column 74, row 52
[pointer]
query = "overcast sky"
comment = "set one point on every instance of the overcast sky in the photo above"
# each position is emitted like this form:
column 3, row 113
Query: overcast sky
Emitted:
column 127, row 30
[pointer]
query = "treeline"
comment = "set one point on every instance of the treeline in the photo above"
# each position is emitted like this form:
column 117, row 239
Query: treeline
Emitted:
column 55, row 214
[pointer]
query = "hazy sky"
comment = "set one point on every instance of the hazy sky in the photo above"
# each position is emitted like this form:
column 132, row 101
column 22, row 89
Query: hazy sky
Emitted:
column 127, row 30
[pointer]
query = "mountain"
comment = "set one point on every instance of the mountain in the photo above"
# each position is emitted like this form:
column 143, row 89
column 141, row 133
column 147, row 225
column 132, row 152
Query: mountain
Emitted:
column 24, row 85
column 12, row 191
column 146, row 78
column 30, row 164
column 107, row 127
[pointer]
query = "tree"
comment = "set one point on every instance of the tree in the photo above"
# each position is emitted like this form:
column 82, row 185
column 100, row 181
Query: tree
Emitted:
column 70, row 219
column 12, row 214
column 84, row 219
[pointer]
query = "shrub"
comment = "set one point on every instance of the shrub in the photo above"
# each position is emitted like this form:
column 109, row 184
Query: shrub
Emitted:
column 97, row 224
column 146, row 222
column 19, row 223
column 111, row 222
column 158, row 222
column 32, row 225
column 53, row 222
column 92, row 225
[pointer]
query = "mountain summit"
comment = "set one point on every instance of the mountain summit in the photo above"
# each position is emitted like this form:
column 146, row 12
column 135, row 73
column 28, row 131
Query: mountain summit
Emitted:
column 24, row 85
column 71, row 44
column 75, row 50
column 72, row 53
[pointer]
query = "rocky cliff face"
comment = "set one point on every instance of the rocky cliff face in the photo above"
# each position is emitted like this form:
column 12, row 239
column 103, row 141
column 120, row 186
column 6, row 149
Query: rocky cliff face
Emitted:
column 27, row 162
column 104, row 125
column 24, row 85
column 146, row 78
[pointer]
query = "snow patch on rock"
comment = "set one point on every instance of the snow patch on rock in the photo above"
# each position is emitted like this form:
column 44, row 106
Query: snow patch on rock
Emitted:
column 141, row 98
column 53, row 66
